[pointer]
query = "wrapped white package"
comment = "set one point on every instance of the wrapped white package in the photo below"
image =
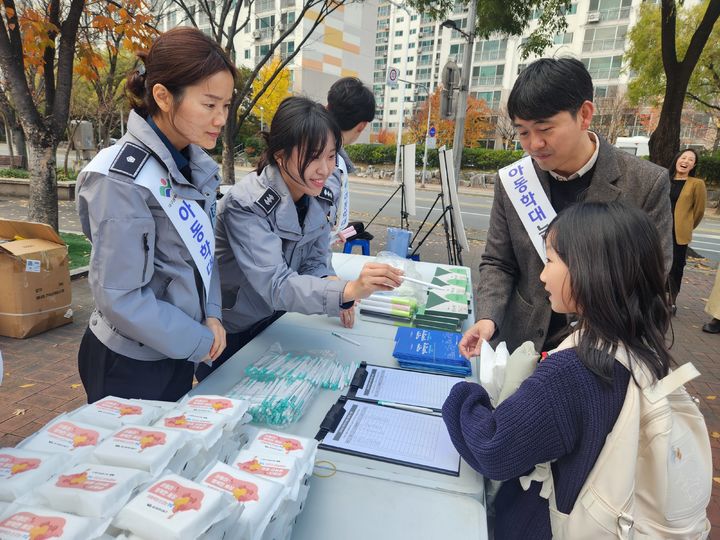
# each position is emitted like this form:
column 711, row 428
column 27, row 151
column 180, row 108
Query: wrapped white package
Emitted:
column 300, row 448
column 274, row 466
column 206, row 427
column 261, row 498
column 32, row 523
column 232, row 410
column 21, row 470
column 89, row 490
column 67, row 436
column 113, row 412
column 492, row 369
column 138, row 447
column 173, row 508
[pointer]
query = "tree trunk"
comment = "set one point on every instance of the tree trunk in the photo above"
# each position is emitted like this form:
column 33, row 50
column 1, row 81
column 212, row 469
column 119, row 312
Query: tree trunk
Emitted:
column 228, row 162
column 665, row 140
column 43, row 206
column 716, row 144
column 18, row 137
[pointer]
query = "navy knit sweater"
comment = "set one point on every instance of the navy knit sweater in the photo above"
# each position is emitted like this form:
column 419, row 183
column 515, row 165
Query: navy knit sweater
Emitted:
column 562, row 412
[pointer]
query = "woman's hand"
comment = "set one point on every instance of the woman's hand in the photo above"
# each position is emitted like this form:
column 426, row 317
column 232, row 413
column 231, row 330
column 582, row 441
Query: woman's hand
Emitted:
column 219, row 342
column 347, row 317
column 374, row 277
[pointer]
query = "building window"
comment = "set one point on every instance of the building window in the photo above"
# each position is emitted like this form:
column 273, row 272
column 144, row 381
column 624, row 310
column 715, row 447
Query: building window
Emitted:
column 457, row 51
column 610, row 10
column 492, row 98
column 492, row 49
column 264, row 5
column 397, row 46
column 383, row 11
column 488, row 75
column 247, row 54
column 606, row 67
column 563, row 39
column 398, row 33
column 609, row 38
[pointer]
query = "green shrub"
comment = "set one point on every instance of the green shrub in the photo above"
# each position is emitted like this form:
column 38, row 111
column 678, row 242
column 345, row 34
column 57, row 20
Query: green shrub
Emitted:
column 475, row 158
column 71, row 175
column 709, row 167
column 14, row 173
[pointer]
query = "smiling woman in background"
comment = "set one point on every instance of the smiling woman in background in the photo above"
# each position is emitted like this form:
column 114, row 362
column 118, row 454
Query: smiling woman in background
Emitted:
column 687, row 197
column 147, row 205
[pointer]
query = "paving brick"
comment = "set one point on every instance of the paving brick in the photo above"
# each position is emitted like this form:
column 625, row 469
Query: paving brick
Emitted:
column 42, row 401
column 8, row 440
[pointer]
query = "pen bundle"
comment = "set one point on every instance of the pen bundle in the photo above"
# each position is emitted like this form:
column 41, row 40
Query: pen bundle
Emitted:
column 390, row 308
column 280, row 384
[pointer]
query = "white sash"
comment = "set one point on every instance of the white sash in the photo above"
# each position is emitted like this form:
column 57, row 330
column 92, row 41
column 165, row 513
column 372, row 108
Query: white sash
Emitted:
column 187, row 216
column 343, row 212
column 523, row 186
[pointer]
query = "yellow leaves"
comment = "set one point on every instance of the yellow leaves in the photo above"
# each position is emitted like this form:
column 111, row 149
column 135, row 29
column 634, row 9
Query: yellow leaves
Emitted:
column 277, row 91
column 29, row 385
column 716, row 479
column 75, row 385
column 9, row 13
column 715, row 435
column 711, row 398
column 19, row 412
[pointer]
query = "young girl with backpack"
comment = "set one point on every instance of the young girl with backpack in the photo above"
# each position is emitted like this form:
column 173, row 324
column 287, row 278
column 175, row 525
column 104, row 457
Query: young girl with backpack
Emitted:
column 548, row 440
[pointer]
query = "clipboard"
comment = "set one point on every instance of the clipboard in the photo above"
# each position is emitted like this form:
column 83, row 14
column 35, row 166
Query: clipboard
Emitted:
column 401, row 437
column 422, row 379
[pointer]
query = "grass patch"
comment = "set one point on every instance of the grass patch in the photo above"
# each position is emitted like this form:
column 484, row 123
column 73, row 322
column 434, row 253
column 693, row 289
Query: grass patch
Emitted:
column 71, row 175
column 14, row 173
column 78, row 249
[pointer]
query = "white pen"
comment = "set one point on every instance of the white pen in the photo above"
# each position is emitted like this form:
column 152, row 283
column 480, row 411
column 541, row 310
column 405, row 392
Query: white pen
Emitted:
column 412, row 408
column 423, row 283
column 345, row 338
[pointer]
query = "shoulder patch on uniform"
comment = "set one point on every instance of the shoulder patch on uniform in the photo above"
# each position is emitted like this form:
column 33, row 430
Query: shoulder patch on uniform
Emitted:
column 268, row 200
column 326, row 195
column 130, row 160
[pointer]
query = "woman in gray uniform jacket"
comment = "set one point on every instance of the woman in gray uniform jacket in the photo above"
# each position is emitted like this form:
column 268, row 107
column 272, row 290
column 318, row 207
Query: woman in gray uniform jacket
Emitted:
column 147, row 204
column 273, row 233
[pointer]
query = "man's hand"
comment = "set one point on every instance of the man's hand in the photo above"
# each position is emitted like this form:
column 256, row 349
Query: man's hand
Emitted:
column 470, row 343
column 219, row 342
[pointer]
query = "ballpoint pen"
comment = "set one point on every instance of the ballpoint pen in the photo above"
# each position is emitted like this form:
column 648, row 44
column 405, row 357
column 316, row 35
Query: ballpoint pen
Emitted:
column 423, row 283
column 412, row 408
column 345, row 338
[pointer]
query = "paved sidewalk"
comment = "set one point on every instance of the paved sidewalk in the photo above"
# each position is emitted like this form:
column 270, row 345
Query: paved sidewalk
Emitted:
column 41, row 379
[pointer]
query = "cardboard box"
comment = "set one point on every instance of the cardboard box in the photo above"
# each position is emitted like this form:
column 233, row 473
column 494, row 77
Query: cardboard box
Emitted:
column 35, row 291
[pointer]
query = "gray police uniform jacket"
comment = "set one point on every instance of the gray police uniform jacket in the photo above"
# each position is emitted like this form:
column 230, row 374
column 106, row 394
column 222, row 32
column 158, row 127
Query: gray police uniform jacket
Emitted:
column 267, row 261
column 148, row 303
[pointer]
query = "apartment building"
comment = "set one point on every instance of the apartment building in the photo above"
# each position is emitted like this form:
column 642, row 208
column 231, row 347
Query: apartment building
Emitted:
column 340, row 46
column 597, row 34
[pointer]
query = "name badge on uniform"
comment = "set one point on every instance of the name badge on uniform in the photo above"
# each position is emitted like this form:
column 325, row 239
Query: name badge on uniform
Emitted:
column 523, row 186
column 268, row 200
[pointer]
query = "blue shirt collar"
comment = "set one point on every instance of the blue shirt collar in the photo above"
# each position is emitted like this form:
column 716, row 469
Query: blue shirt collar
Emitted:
column 178, row 155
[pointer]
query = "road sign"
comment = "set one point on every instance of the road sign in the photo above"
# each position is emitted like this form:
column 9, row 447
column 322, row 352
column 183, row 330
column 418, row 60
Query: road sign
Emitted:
column 432, row 131
column 431, row 143
column 393, row 74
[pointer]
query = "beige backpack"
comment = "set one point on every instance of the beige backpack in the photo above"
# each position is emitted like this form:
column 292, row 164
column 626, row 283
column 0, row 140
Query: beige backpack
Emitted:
column 653, row 477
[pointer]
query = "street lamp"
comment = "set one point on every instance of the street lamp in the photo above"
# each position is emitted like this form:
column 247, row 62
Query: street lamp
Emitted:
column 262, row 119
column 452, row 25
column 460, row 112
column 427, row 130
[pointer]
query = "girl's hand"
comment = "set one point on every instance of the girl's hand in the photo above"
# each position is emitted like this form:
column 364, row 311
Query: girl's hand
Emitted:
column 374, row 277
column 219, row 342
column 347, row 317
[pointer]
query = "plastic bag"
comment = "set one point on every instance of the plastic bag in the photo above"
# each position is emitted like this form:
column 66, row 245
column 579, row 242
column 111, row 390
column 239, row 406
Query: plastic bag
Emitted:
column 20, row 521
column 21, row 470
column 64, row 435
column 113, row 412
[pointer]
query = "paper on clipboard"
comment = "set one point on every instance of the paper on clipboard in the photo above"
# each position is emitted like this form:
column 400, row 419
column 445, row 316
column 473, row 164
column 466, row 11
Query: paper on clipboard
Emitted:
column 396, row 436
column 407, row 387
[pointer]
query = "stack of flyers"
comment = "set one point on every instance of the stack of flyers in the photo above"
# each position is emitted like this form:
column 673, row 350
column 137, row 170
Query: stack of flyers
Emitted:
column 447, row 304
column 430, row 350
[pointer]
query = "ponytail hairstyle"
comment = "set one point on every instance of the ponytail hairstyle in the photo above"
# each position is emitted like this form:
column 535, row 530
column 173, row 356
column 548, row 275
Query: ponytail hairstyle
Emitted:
column 177, row 59
column 617, row 277
column 303, row 124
